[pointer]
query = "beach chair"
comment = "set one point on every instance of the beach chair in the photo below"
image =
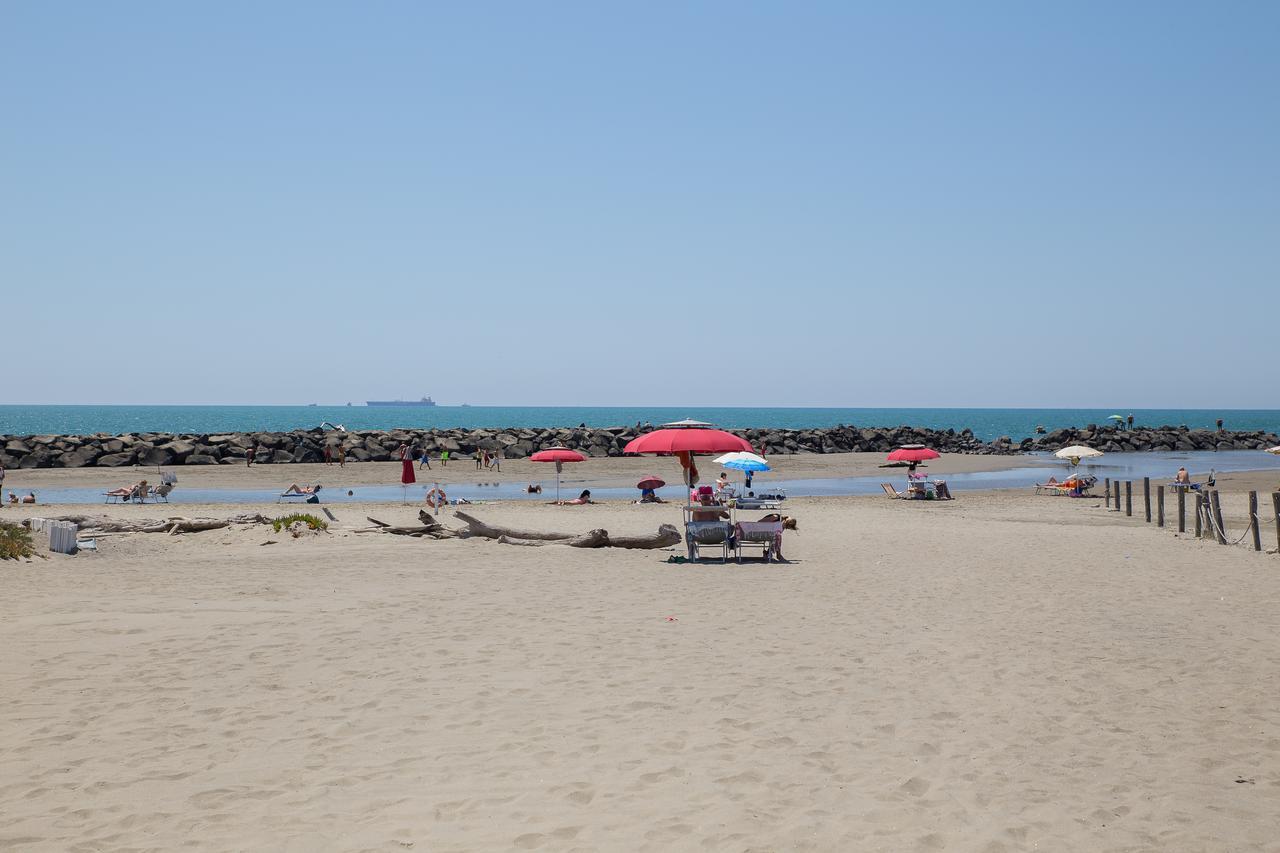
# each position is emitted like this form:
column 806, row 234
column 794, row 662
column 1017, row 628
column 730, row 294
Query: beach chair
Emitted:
column 704, row 534
column 161, row 492
column 298, row 498
column 890, row 490
column 941, row 492
column 766, row 535
column 127, row 494
column 765, row 500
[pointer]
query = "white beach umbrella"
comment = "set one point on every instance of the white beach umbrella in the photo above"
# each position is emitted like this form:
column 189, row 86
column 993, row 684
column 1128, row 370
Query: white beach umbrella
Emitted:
column 1076, row 452
column 742, row 461
column 1275, row 450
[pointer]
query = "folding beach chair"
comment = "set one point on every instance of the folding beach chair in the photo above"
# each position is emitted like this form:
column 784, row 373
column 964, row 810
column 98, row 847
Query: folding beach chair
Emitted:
column 766, row 535
column 890, row 490
column 707, row 533
column 161, row 492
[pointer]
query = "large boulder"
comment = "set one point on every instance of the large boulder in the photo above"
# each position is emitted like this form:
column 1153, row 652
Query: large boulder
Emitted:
column 115, row 460
column 201, row 459
column 157, row 456
column 80, row 457
column 179, row 450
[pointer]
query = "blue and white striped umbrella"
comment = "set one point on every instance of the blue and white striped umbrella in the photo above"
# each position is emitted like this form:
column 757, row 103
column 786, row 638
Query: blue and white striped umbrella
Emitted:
column 742, row 461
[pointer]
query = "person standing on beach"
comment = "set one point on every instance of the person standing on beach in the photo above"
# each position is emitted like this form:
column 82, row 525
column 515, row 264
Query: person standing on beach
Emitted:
column 495, row 462
column 1130, row 421
column 342, row 454
column 328, row 453
column 444, row 458
column 425, row 460
column 1, row 482
column 250, row 453
column 1219, row 424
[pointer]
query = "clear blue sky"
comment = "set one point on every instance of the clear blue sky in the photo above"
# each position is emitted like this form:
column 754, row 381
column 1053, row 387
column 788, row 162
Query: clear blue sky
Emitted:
column 966, row 204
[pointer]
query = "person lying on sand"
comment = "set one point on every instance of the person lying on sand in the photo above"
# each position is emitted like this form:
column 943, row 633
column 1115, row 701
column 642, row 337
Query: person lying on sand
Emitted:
column 29, row 498
column 584, row 498
column 295, row 489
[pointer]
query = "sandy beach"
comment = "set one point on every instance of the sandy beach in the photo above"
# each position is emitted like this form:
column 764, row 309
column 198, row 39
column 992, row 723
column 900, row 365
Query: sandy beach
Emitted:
column 997, row 673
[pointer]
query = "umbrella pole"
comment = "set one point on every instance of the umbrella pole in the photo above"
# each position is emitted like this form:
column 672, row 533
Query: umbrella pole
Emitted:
column 557, row 487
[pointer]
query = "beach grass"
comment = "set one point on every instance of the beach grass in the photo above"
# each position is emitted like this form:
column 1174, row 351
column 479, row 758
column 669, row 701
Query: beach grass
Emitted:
column 15, row 542
column 311, row 521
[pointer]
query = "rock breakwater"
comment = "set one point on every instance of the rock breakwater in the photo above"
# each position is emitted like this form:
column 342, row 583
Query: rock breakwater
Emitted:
column 160, row 449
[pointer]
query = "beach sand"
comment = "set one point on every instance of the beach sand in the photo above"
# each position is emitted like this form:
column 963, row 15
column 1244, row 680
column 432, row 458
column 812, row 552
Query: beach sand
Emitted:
column 997, row 673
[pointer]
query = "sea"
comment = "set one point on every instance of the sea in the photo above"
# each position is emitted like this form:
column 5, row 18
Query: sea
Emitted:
column 987, row 424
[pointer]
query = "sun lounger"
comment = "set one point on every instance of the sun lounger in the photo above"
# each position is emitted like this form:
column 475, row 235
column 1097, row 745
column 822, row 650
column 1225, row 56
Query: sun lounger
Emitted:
column 890, row 490
column 161, row 492
column 700, row 534
column 764, row 500
column 127, row 494
column 766, row 535
column 298, row 497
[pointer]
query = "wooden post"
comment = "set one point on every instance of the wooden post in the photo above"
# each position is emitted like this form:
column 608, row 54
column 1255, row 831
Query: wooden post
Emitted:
column 1106, row 487
column 1182, row 510
column 1128, row 497
column 1275, row 502
column 1199, row 516
column 1117, row 489
column 1216, row 508
column 1146, row 496
column 1159, row 506
column 1253, row 521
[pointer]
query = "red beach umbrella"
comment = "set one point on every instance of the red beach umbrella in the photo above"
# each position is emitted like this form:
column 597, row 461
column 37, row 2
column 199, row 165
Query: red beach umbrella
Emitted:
column 651, row 482
column 558, row 455
column 913, row 453
column 685, row 441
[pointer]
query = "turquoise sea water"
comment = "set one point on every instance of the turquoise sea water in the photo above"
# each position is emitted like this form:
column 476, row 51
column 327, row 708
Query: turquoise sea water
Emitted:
column 987, row 424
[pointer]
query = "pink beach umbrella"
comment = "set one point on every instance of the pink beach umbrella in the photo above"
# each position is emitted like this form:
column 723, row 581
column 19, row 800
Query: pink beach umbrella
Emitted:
column 913, row 453
column 558, row 455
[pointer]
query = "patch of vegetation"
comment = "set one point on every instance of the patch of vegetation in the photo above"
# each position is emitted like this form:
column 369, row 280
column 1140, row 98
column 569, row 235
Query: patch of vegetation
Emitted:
column 15, row 542
column 284, row 521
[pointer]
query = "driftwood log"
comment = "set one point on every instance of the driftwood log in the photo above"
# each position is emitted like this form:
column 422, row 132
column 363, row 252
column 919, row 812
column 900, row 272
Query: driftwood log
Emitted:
column 666, row 536
column 429, row 527
column 172, row 526
column 488, row 531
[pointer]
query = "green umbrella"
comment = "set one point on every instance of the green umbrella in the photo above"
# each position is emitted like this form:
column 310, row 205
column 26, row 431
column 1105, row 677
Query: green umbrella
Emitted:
column 1115, row 417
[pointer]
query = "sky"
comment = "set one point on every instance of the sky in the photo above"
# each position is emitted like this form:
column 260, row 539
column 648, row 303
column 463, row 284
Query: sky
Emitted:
column 730, row 203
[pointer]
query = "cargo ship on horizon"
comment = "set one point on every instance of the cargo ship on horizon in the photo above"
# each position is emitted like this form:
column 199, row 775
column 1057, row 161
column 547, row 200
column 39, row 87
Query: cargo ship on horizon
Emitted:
column 425, row 401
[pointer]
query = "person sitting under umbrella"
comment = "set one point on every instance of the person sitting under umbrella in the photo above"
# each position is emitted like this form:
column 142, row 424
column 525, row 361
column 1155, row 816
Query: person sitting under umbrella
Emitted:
column 649, row 496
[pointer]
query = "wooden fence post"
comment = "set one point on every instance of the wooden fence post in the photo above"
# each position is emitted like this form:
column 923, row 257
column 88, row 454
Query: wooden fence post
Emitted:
column 1106, row 487
column 1275, row 502
column 1199, row 516
column 1182, row 510
column 1216, row 508
column 1146, row 496
column 1128, row 497
column 1159, row 506
column 1117, row 485
column 1253, row 521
